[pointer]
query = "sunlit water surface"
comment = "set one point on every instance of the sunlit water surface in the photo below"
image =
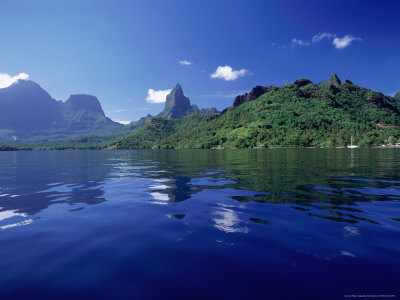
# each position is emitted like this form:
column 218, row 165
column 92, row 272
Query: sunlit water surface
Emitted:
column 230, row 224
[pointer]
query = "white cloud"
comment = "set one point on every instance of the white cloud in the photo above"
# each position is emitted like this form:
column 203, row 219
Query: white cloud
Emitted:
column 320, row 36
column 341, row 43
column 227, row 73
column 185, row 62
column 300, row 42
column 7, row 80
column 154, row 96
column 338, row 43
column 123, row 122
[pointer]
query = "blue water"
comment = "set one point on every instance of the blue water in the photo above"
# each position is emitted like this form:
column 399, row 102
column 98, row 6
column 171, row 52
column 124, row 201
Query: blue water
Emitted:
column 206, row 224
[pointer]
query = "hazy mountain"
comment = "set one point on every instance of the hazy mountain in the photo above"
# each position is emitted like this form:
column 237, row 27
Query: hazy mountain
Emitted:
column 25, row 106
column 85, row 112
column 27, row 110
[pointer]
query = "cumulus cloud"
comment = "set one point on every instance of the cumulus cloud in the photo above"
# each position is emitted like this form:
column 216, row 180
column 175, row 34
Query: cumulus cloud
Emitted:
column 154, row 96
column 300, row 42
column 7, row 80
column 227, row 73
column 320, row 36
column 185, row 62
column 345, row 41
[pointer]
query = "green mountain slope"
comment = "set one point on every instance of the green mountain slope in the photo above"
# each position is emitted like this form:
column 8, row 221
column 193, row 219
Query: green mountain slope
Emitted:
column 397, row 95
column 298, row 114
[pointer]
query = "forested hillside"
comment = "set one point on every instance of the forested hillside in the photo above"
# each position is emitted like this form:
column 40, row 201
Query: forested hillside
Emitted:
column 299, row 114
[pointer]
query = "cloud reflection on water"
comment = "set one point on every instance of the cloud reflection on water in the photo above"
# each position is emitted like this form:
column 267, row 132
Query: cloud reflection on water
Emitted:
column 228, row 220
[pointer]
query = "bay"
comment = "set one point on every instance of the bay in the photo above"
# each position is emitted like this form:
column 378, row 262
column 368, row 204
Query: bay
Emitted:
column 200, row 224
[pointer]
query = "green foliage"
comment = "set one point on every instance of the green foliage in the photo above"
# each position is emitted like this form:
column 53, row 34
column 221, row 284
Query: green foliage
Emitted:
column 397, row 95
column 68, row 143
column 13, row 148
column 295, row 115
column 391, row 140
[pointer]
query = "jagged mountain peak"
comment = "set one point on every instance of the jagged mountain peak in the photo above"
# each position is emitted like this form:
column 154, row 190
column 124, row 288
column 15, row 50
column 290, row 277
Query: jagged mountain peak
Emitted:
column 334, row 79
column 256, row 92
column 177, row 105
column 176, row 96
column 302, row 82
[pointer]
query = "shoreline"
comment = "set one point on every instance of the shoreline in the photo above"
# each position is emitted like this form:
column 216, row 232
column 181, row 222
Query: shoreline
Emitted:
column 9, row 149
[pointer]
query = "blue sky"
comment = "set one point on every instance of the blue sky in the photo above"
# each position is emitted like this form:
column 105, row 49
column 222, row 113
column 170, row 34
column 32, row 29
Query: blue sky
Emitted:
column 119, row 50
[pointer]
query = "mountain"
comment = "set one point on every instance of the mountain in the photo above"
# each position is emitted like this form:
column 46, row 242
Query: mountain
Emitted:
column 334, row 79
column 254, row 94
column 177, row 105
column 204, row 111
column 28, row 111
column 300, row 114
column 85, row 112
column 139, row 123
column 25, row 106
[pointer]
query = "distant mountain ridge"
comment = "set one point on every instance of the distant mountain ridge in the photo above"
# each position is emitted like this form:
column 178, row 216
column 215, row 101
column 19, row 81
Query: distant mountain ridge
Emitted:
column 26, row 109
column 297, row 114
column 177, row 105
column 28, row 113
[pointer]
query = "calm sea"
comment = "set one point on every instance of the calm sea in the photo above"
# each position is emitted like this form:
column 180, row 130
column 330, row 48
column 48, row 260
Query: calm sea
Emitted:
column 200, row 224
